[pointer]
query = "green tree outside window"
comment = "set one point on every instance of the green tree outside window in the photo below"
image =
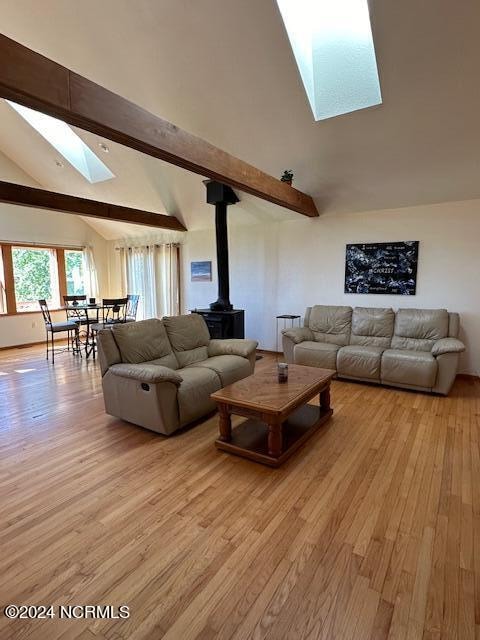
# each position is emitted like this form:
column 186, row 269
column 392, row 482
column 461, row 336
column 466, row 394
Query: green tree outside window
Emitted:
column 75, row 272
column 32, row 269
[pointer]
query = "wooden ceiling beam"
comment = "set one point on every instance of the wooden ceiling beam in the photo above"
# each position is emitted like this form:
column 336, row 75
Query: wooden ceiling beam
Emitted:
column 12, row 193
column 37, row 82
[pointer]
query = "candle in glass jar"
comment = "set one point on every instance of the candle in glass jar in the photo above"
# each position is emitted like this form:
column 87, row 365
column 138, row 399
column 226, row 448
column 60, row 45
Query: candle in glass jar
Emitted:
column 282, row 369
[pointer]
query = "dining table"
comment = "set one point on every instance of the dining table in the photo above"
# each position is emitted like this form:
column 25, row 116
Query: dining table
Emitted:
column 87, row 314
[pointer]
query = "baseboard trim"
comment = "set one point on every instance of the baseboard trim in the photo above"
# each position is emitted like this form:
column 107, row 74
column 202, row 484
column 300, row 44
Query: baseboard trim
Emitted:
column 22, row 346
column 30, row 344
column 468, row 376
column 269, row 351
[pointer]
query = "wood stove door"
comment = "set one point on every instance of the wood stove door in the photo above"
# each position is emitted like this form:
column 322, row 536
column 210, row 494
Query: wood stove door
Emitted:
column 216, row 328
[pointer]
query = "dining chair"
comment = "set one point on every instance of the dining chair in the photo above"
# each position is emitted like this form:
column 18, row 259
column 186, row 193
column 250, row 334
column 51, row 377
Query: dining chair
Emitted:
column 73, row 300
column 114, row 311
column 71, row 304
column 132, row 307
column 52, row 328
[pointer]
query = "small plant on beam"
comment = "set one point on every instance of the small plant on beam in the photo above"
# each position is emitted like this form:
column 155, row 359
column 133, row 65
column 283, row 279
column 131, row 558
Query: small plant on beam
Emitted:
column 287, row 176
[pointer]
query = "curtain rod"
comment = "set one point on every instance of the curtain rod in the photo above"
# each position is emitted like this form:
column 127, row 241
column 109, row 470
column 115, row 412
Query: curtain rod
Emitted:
column 19, row 243
column 147, row 246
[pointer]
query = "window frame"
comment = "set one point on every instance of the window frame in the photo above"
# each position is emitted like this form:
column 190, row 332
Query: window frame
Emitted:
column 7, row 259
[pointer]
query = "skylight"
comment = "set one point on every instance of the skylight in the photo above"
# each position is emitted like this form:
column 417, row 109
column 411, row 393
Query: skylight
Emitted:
column 333, row 45
column 64, row 139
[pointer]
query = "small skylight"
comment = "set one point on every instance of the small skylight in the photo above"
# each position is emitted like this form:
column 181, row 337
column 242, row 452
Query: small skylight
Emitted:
column 333, row 45
column 64, row 139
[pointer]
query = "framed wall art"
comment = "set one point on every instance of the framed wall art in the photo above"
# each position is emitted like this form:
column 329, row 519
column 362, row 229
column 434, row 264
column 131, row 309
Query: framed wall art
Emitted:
column 201, row 271
column 382, row 268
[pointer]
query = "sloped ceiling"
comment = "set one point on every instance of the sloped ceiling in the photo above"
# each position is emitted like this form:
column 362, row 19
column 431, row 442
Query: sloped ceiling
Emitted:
column 224, row 70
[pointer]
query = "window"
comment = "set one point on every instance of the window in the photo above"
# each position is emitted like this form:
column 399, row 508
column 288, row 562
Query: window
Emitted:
column 64, row 139
column 29, row 273
column 35, row 274
column 75, row 273
column 333, row 45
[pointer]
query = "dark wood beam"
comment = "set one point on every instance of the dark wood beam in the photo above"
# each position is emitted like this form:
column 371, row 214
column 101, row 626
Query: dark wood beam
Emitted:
column 41, row 199
column 37, row 82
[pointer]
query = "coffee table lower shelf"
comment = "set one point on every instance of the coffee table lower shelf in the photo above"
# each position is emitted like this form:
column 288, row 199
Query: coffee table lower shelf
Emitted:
column 250, row 438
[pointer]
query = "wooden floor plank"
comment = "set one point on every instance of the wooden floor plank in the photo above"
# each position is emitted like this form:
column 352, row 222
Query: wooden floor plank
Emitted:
column 371, row 531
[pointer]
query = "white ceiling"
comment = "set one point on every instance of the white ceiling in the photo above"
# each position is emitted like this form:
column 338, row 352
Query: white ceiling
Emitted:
column 224, row 70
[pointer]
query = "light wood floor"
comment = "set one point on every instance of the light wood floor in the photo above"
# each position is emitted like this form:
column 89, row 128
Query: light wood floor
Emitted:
column 371, row 531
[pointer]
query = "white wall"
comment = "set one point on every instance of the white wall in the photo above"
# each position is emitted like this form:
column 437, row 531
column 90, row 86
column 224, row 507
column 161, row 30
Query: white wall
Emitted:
column 253, row 275
column 285, row 267
column 19, row 224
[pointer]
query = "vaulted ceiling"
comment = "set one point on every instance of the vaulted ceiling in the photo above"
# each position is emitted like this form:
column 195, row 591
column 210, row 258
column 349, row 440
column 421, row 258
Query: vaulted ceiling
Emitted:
column 224, row 70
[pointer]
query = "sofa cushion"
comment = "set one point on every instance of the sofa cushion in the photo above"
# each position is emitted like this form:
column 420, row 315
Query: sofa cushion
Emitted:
column 360, row 361
column 190, row 356
column 145, row 372
column 298, row 334
column 372, row 326
column 316, row 354
column 189, row 337
column 229, row 368
column 144, row 341
column 408, row 367
column 169, row 361
column 331, row 323
column 232, row 347
column 193, row 395
column 418, row 329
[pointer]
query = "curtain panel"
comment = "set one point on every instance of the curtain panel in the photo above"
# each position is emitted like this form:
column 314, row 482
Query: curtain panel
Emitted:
column 91, row 278
column 3, row 296
column 152, row 272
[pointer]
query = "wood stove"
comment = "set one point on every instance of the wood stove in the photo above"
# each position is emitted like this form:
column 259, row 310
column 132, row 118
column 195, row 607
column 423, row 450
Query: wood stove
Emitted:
column 224, row 324
column 222, row 319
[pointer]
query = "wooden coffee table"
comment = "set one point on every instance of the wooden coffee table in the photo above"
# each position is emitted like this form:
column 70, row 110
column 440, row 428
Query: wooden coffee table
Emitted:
column 280, row 420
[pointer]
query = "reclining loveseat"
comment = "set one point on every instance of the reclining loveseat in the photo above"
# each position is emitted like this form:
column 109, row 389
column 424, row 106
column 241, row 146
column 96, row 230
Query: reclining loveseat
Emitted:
column 159, row 374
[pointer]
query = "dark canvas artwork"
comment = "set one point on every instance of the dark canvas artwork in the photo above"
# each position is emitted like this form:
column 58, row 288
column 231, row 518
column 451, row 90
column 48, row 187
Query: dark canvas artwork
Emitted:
column 382, row 267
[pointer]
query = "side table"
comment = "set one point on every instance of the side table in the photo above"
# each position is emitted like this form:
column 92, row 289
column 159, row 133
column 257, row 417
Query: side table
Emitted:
column 286, row 317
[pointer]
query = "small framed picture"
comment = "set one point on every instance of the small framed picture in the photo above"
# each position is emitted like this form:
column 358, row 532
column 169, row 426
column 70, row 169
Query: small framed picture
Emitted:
column 201, row 271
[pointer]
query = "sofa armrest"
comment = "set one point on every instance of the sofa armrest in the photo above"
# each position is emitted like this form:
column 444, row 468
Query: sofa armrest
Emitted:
column 232, row 346
column 108, row 353
column 299, row 334
column 447, row 345
column 149, row 373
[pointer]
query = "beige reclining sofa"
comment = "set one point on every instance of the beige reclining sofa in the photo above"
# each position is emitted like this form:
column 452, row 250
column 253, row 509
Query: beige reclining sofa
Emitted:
column 411, row 348
column 159, row 374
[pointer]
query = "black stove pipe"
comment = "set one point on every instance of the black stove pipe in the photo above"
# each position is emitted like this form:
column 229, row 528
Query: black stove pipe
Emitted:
column 221, row 196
